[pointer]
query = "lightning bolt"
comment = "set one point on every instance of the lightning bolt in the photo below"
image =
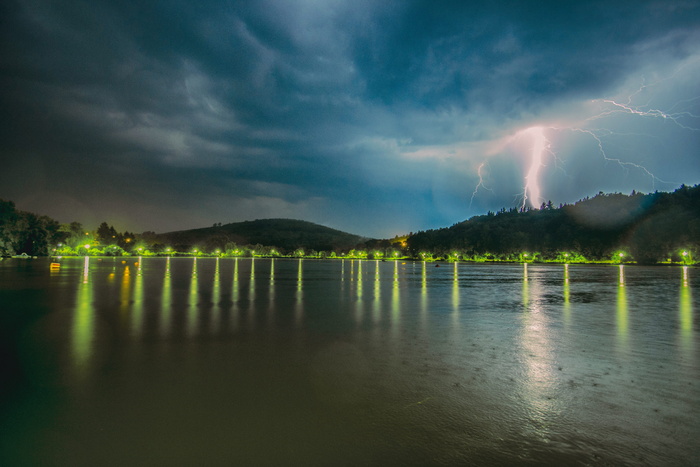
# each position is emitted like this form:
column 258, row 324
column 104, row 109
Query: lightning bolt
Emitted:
column 646, row 110
column 624, row 164
column 481, row 183
column 532, row 190
column 541, row 146
column 675, row 117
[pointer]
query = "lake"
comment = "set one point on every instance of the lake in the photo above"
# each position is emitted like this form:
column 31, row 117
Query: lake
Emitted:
column 183, row 361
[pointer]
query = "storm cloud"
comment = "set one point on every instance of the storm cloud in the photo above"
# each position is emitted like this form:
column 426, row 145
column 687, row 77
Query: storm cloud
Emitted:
column 377, row 118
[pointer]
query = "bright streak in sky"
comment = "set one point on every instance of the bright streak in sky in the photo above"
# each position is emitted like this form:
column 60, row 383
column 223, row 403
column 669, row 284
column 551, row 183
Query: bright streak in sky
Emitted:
column 532, row 191
column 538, row 145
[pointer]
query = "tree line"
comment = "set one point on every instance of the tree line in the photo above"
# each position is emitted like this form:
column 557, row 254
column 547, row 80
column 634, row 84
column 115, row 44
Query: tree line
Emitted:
column 646, row 228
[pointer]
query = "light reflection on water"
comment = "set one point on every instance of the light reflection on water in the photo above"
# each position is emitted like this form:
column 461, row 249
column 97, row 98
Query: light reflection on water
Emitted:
column 539, row 381
column 83, row 322
column 166, row 301
column 622, row 314
column 410, row 363
column 685, row 316
column 567, row 297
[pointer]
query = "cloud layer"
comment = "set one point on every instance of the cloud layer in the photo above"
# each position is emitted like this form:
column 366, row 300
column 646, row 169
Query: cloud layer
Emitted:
column 373, row 117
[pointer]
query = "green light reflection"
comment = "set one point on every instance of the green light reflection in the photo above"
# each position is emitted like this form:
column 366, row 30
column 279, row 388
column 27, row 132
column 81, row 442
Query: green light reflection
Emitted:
column 251, row 283
column 685, row 314
column 192, row 300
column 299, row 306
column 137, row 316
column 455, row 289
column 567, row 296
column 622, row 314
column 395, row 297
column 125, row 297
column 83, row 323
column 234, row 285
column 271, row 292
column 359, row 302
column 359, row 280
column 166, row 300
column 216, row 295
column 423, row 292
column 377, row 293
column 235, row 294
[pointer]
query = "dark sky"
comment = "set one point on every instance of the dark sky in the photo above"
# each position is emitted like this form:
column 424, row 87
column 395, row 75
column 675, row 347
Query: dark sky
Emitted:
column 373, row 117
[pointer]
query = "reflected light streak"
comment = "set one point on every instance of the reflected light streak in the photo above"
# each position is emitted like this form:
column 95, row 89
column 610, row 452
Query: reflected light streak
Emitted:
column 166, row 300
column 138, row 316
column 192, row 301
column 455, row 288
column 271, row 291
column 567, row 296
column 685, row 314
column 526, row 290
column 359, row 301
column 216, row 295
column 125, row 297
column 395, row 297
column 359, row 280
column 235, row 292
column 271, row 295
column 251, row 283
column 83, row 323
column 541, row 376
column 455, row 298
column 424, row 292
column 216, row 288
column 251, row 295
column 622, row 314
column 621, row 275
column 234, row 286
column 299, row 308
column 377, row 291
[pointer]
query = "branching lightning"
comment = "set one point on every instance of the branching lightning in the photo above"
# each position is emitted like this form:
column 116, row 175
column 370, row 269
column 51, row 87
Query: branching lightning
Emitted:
column 541, row 147
column 480, row 184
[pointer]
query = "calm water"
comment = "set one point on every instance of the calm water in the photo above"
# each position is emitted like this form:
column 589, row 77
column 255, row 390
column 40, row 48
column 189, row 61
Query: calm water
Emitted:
column 287, row 362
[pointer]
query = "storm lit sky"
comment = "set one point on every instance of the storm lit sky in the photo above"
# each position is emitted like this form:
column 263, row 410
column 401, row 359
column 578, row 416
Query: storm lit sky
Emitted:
column 373, row 117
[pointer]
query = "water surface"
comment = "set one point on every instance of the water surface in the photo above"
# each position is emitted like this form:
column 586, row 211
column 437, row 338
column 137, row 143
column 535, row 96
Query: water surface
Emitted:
column 184, row 361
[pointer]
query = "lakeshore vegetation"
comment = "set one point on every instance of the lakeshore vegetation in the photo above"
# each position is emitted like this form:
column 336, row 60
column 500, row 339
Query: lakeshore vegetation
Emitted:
column 651, row 228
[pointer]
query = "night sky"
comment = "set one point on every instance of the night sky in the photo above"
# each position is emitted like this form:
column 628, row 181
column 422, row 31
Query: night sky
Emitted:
column 377, row 118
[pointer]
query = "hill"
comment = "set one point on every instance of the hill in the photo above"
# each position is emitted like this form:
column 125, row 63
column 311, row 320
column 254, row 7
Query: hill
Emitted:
column 285, row 235
column 649, row 228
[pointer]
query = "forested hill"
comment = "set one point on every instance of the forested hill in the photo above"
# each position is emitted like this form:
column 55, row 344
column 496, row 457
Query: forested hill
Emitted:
column 647, row 227
column 284, row 234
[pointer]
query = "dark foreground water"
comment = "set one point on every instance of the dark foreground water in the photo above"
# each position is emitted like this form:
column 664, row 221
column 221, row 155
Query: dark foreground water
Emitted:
column 285, row 362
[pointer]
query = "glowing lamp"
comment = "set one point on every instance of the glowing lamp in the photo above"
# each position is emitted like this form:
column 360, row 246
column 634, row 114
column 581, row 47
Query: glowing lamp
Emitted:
column 87, row 246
